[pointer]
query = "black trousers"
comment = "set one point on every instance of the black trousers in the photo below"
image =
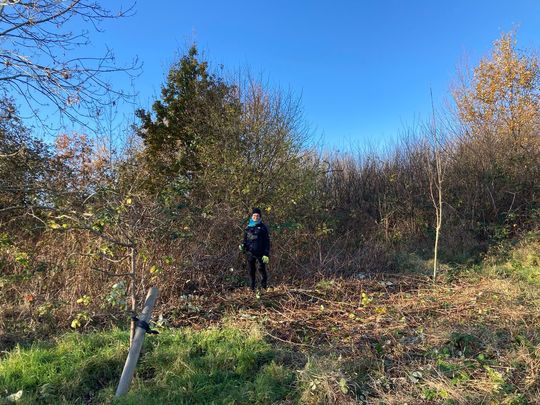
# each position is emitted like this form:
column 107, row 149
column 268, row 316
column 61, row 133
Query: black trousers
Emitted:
column 252, row 266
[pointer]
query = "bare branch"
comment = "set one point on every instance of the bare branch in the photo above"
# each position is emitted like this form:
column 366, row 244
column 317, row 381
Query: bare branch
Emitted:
column 36, row 64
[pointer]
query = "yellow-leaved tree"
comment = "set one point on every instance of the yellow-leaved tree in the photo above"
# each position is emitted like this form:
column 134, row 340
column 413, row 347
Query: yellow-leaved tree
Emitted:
column 498, row 148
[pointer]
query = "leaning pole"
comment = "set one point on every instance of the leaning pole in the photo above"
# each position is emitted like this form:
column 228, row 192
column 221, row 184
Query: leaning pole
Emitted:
column 135, row 350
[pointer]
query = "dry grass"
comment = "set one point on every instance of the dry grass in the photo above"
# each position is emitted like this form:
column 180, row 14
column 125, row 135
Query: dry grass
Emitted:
column 401, row 340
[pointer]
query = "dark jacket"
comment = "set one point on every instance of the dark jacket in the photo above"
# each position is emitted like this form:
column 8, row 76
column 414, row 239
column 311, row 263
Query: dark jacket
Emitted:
column 257, row 240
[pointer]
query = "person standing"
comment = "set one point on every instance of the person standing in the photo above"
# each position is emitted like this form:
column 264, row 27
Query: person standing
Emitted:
column 256, row 246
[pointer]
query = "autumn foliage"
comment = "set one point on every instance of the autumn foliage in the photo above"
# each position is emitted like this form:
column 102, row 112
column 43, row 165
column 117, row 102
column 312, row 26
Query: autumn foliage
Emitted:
column 170, row 210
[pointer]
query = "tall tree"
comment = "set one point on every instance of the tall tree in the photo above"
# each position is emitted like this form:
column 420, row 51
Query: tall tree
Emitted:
column 498, row 149
column 502, row 96
column 196, row 109
column 219, row 144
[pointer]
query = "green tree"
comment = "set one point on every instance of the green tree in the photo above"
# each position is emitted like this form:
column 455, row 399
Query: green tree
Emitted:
column 24, row 164
column 195, row 110
column 231, row 144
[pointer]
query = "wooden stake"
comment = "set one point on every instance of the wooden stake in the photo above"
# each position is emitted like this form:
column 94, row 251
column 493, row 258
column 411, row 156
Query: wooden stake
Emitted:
column 136, row 346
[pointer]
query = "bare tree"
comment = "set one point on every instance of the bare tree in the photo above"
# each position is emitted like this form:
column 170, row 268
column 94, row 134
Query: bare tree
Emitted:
column 116, row 221
column 40, row 60
column 435, row 167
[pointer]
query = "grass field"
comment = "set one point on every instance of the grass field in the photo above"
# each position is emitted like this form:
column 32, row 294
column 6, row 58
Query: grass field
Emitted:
column 183, row 366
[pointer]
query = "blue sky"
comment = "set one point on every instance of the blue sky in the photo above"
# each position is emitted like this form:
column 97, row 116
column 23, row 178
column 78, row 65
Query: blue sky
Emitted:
column 364, row 69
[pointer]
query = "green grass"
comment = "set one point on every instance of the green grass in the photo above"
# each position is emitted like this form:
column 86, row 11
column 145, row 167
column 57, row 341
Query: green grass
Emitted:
column 521, row 261
column 214, row 366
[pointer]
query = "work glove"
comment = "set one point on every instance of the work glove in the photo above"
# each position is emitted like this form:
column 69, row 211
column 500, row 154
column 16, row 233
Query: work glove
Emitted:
column 265, row 259
column 241, row 247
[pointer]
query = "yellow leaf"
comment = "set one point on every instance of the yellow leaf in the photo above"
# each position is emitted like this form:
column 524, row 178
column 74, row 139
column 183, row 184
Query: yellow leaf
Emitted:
column 365, row 299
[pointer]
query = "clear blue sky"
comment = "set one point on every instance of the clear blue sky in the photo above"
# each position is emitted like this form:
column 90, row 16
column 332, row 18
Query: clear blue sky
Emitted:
column 363, row 68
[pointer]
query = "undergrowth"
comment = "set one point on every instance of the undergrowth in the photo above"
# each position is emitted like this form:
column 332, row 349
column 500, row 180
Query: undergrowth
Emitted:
column 521, row 260
column 471, row 337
